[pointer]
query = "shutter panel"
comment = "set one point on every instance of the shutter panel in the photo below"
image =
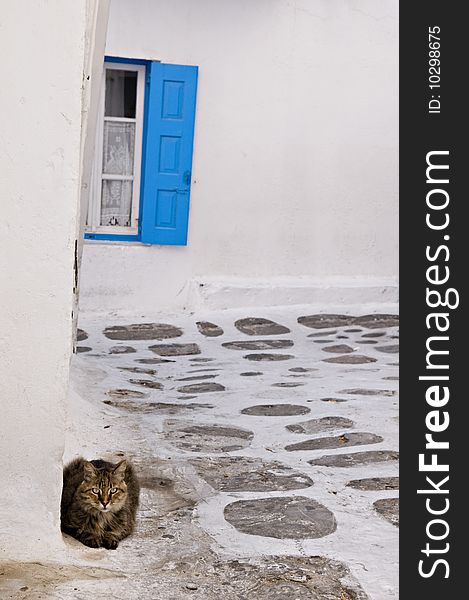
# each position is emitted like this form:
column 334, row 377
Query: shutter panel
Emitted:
column 167, row 162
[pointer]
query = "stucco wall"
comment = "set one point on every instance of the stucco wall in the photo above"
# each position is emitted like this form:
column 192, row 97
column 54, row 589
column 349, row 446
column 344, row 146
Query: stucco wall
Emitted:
column 44, row 45
column 296, row 149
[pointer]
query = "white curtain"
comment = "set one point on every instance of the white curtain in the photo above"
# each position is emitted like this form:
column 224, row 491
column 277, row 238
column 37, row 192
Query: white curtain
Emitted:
column 118, row 159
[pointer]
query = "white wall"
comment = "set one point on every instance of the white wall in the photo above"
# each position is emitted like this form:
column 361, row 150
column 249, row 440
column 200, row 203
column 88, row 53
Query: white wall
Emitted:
column 95, row 42
column 296, row 149
column 44, row 45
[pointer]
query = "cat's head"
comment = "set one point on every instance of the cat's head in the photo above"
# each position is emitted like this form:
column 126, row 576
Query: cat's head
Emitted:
column 103, row 489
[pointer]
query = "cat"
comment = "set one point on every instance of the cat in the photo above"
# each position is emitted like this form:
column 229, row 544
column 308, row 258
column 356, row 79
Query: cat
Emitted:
column 99, row 502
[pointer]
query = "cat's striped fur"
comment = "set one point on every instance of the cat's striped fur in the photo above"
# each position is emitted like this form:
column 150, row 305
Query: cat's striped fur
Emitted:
column 99, row 501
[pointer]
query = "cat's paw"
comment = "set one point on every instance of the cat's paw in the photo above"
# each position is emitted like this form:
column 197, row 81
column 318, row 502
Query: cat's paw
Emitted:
column 110, row 544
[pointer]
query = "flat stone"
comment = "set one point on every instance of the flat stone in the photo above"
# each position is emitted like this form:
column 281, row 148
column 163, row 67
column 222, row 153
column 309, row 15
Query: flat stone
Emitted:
column 355, row 459
column 374, row 334
column 320, row 425
column 338, row 349
column 123, row 393
column 377, row 321
column 301, row 370
column 223, row 431
column 391, row 378
column 207, row 438
column 243, row 474
column 287, row 517
column 209, row 329
column 276, row 410
column 302, row 375
column 333, row 400
column 81, row 335
column 259, row 326
column 121, row 350
column 340, row 441
column 165, row 408
column 141, row 370
column 201, row 360
column 81, row 349
column 322, row 341
column 154, row 385
column 153, row 361
column 354, row 359
column 325, row 321
column 322, row 333
column 287, row 578
column 251, row 373
column 142, row 331
column 175, row 349
column 375, row 483
column 258, row 344
column 367, row 342
column 203, row 370
column 287, row 384
column 197, row 377
column 268, row 357
column 370, row 392
column 356, row 330
column 198, row 388
column 389, row 509
column 393, row 349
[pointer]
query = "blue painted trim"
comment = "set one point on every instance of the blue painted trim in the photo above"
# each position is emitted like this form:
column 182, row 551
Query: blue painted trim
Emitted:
column 111, row 237
column 128, row 61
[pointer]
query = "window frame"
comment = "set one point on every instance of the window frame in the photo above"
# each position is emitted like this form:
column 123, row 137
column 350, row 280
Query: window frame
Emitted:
column 111, row 232
column 157, row 76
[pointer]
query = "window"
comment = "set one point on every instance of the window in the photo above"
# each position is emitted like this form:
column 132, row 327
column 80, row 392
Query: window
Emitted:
column 143, row 155
column 115, row 192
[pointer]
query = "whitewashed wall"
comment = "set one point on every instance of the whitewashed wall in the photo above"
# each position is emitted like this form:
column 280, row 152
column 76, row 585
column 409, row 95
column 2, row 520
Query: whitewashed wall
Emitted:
column 45, row 46
column 295, row 162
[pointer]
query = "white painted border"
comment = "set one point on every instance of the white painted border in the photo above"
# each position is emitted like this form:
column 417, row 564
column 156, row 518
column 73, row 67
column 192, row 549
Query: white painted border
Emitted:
column 222, row 294
column 128, row 276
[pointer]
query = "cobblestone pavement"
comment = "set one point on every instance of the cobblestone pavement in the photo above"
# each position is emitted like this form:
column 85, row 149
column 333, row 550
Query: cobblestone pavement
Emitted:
column 267, row 449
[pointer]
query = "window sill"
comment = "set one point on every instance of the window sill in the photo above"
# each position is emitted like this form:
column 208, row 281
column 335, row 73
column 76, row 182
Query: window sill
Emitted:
column 128, row 240
column 109, row 237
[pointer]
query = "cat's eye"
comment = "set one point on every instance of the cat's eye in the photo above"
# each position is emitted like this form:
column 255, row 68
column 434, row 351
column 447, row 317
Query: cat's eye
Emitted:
column 113, row 490
column 95, row 490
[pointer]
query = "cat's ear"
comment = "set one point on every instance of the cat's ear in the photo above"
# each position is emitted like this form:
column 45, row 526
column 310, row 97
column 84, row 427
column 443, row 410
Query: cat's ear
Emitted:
column 119, row 470
column 89, row 471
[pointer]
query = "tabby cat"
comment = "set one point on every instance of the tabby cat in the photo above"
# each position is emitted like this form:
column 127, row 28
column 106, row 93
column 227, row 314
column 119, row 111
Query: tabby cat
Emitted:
column 99, row 502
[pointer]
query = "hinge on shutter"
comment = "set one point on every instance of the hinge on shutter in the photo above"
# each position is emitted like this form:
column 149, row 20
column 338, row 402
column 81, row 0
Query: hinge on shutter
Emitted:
column 148, row 77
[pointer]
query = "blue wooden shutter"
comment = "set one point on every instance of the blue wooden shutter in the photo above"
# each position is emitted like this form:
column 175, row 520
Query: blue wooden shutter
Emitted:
column 167, row 162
